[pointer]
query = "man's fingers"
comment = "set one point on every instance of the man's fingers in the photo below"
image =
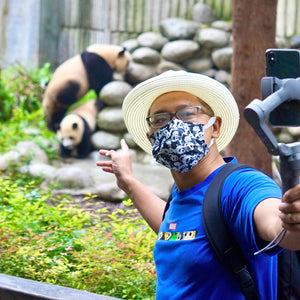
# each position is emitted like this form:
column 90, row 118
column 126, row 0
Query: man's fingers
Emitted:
column 124, row 146
column 108, row 170
column 293, row 207
column 292, row 194
column 103, row 163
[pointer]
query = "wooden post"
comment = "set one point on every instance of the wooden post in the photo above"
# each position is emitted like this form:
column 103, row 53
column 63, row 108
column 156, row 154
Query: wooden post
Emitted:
column 51, row 18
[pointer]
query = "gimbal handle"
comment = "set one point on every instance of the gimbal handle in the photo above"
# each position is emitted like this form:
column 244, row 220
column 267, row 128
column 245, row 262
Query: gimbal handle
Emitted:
column 257, row 112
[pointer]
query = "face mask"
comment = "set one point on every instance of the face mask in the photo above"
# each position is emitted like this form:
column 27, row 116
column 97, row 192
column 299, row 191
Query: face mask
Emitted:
column 180, row 145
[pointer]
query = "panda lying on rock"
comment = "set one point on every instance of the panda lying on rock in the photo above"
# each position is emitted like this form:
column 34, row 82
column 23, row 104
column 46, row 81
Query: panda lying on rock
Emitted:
column 90, row 70
column 75, row 129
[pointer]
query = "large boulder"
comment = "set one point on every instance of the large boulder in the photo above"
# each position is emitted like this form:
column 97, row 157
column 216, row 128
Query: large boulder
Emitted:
column 111, row 119
column 179, row 29
column 180, row 50
column 154, row 40
column 114, row 92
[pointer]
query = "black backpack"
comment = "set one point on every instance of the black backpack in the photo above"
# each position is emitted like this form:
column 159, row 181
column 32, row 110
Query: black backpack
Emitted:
column 230, row 254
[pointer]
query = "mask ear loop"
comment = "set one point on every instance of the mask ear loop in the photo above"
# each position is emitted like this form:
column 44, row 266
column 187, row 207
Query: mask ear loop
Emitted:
column 210, row 122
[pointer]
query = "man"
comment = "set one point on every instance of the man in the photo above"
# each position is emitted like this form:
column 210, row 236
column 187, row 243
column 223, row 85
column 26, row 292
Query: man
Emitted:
column 185, row 119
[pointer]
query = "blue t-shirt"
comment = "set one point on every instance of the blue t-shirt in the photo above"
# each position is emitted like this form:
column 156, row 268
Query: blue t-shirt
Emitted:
column 185, row 264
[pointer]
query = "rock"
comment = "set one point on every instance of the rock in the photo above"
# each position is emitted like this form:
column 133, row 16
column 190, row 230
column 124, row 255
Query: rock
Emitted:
column 165, row 65
column 95, row 155
column 129, row 141
column 137, row 73
column 282, row 42
column 294, row 131
column 24, row 151
column 295, row 41
column 222, row 25
column 179, row 29
column 39, row 170
column 32, row 152
column 146, row 55
column 222, row 58
column 110, row 192
column 105, row 140
column 72, row 177
column 111, row 119
column 114, row 92
column 212, row 38
column 198, row 65
column 157, row 178
column 203, row 13
column 285, row 137
column 32, row 131
column 152, row 40
column 210, row 72
column 180, row 50
column 223, row 77
column 131, row 45
column 10, row 158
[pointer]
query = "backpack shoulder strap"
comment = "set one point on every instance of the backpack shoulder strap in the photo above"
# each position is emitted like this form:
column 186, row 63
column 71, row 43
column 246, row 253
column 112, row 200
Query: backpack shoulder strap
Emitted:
column 168, row 203
column 219, row 235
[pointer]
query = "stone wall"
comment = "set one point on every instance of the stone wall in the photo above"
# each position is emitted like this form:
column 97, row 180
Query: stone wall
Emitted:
column 194, row 46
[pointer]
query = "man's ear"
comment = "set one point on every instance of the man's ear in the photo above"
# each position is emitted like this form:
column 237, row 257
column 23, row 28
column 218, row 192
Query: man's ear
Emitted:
column 216, row 127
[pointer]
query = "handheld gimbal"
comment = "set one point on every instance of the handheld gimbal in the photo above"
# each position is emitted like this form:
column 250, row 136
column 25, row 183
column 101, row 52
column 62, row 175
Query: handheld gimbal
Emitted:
column 278, row 93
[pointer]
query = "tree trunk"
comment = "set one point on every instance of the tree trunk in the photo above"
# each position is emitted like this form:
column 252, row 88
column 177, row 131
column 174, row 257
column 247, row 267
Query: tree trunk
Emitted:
column 254, row 26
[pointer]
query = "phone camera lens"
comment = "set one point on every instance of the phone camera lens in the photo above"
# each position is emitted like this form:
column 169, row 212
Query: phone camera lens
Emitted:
column 272, row 58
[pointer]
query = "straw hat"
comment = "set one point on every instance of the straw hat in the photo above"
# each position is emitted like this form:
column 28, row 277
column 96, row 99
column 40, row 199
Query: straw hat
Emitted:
column 138, row 101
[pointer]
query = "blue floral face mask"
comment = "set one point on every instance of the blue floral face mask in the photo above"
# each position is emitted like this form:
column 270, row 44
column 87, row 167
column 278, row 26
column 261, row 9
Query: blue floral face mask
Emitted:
column 180, row 145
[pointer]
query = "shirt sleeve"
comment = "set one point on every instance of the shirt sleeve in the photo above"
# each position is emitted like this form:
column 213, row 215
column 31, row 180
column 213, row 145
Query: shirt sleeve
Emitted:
column 243, row 190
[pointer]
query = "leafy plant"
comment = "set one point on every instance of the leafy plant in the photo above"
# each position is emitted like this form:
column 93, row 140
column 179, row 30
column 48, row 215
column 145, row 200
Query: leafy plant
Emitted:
column 25, row 88
column 6, row 102
column 21, row 115
column 27, row 127
column 56, row 242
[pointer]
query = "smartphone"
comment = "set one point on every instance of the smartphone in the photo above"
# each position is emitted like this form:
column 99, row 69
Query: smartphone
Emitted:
column 284, row 63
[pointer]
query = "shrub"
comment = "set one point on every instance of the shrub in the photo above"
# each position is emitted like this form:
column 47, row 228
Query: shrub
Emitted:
column 21, row 115
column 27, row 127
column 58, row 243
column 22, row 88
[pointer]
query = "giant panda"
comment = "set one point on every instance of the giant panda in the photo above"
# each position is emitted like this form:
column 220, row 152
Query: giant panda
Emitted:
column 75, row 130
column 90, row 70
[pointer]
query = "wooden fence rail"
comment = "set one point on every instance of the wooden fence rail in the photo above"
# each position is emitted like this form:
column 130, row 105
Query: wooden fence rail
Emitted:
column 15, row 288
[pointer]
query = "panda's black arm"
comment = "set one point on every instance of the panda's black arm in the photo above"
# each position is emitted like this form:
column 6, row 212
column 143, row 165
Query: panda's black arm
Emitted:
column 68, row 94
column 85, row 146
column 64, row 152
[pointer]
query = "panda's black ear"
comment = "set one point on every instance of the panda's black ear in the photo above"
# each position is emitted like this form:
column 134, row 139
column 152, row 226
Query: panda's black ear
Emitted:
column 122, row 52
column 75, row 126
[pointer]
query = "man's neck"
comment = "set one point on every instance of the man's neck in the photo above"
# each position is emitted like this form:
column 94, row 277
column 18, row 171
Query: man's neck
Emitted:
column 212, row 161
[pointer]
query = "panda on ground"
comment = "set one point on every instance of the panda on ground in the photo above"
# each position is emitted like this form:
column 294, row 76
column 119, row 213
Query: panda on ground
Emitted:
column 75, row 129
column 90, row 70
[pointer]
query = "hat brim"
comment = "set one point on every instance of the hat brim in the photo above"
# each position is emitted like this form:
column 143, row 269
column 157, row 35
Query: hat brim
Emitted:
column 138, row 101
